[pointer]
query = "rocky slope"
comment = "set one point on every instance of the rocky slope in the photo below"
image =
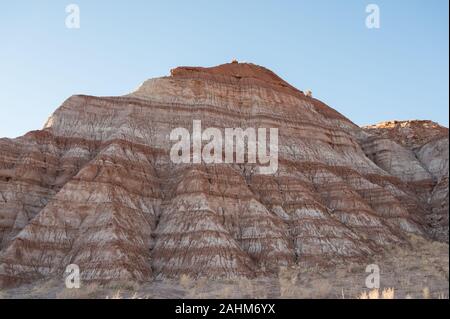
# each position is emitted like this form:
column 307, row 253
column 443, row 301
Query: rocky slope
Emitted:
column 427, row 143
column 96, row 186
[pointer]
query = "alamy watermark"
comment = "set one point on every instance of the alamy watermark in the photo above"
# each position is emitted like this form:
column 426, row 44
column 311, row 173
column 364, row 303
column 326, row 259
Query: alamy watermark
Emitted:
column 373, row 19
column 234, row 145
column 72, row 20
column 72, row 280
column 373, row 279
column 73, row 16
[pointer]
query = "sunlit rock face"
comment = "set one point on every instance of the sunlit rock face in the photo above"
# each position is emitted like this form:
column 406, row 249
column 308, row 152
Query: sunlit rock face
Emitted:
column 96, row 186
column 426, row 145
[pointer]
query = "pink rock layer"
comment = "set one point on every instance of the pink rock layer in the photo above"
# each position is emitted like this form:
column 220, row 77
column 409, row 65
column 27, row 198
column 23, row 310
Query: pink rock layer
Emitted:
column 96, row 186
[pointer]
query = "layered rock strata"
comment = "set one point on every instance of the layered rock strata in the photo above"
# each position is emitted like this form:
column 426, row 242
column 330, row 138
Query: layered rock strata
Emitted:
column 426, row 145
column 96, row 186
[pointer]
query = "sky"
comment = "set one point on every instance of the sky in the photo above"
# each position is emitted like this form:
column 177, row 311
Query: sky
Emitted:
column 399, row 71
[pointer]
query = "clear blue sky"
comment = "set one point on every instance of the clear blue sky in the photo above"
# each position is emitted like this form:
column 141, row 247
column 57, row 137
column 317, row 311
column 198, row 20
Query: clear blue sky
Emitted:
column 399, row 71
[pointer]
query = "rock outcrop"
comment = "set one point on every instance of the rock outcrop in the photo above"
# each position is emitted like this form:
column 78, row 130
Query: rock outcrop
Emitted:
column 426, row 145
column 96, row 186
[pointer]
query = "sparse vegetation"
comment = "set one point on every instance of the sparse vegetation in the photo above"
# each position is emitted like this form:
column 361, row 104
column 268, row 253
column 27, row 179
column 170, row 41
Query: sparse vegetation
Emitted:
column 185, row 281
column 387, row 293
column 426, row 293
column 420, row 272
column 84, row 292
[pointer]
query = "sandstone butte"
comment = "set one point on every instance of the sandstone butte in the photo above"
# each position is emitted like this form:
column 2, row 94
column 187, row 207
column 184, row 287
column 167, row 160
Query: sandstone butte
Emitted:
column 96, row 187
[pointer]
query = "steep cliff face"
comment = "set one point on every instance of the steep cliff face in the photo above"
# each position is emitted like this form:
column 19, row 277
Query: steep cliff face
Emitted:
column 96, row 186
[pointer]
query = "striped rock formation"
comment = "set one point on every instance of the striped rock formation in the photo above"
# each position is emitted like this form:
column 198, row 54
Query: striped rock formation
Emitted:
column 427, row 143
column 96, row 186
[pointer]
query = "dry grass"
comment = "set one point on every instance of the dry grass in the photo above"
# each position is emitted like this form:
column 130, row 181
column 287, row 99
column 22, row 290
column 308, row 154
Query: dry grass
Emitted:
column 225, row 293
column 291, row 287
column 84, row 292
column 426, row 293
column 118, row 295
column 387, row 293
column 124, row 289
column 287, row 278
column 126, row 285
column 194, row 288
column 251, row 289
column 186, row 281
column 417, row 272
column 44, row 288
